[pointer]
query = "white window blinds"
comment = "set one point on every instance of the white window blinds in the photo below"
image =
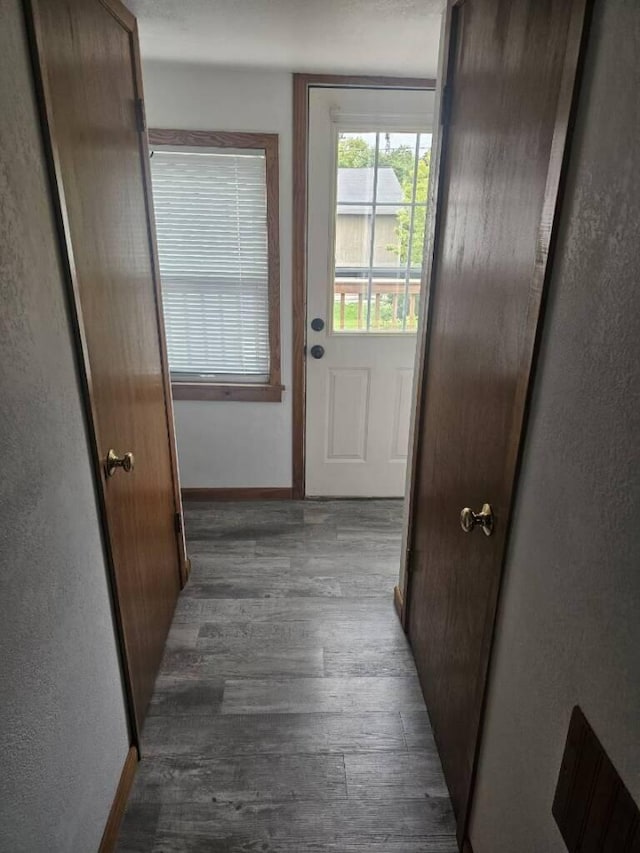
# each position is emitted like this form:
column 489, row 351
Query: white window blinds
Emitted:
column 211, row 220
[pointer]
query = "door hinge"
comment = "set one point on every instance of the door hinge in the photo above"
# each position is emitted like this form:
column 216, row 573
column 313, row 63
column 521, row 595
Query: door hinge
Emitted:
column 407, row 561
column 177, row 521
column 445, row 105
column 141, row 121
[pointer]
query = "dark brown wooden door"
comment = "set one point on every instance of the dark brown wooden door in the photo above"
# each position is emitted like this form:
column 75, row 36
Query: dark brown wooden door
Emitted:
column 511, row 73
column 87, row 56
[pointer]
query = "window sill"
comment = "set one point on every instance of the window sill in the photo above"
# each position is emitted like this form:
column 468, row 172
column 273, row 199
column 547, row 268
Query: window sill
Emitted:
column 227, row 391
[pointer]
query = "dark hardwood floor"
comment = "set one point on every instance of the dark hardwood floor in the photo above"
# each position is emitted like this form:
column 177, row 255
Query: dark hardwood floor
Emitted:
column 287, row 717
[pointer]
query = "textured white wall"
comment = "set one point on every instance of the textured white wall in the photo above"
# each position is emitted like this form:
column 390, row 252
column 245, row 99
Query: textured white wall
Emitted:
column 223, row 444
column 63, row 733
column 569, row 626
column 395, row 37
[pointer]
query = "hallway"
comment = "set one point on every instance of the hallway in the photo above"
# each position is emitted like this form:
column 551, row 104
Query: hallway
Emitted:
column 287, row 716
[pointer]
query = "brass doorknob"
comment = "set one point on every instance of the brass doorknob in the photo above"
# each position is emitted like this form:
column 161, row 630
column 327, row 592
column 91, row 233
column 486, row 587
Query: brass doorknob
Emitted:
column 113, row 462
column 470, row 519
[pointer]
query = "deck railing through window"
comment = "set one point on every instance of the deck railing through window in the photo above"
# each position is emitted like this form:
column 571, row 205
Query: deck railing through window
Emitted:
column 392, row 304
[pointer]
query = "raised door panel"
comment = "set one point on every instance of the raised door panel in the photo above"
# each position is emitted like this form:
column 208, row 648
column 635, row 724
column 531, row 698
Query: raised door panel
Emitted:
column 401, row 394
column 348, row 414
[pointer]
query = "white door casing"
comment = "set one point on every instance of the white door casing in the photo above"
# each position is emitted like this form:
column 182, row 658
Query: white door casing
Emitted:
column 359, row 393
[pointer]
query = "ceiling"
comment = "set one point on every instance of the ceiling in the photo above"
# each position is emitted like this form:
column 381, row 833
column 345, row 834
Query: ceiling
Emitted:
column 326, row 36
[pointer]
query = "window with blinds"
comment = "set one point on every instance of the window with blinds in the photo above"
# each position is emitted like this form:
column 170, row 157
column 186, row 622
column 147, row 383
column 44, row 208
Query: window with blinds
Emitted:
column 211, row 220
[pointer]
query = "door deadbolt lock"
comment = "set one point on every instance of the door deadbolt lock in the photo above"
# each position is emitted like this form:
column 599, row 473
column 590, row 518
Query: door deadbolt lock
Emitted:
column 484, row 519
column 113, row 462
column 317, row 324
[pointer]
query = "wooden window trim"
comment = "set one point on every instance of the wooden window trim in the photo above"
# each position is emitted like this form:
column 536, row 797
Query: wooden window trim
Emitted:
column 239, row 392
column 271, row 391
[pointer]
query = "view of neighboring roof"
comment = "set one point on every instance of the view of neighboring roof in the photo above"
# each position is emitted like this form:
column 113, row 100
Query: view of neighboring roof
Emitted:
column 356, row 185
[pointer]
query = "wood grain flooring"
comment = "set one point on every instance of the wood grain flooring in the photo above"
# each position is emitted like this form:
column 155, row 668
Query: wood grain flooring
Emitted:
column 287, row 716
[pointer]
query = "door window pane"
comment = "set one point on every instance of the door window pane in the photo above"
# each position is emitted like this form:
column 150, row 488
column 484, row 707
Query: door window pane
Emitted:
column 353, row 239
column 350, row 303
column 381, row 204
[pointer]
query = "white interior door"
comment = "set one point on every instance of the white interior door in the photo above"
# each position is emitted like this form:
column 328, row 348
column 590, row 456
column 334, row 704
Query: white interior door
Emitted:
column 369, row 153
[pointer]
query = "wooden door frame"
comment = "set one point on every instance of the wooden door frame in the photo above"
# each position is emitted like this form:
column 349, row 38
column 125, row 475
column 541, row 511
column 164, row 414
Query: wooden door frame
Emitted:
column 401, row 591
column 302, row 83
column 578, row 33
column 50, row 144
